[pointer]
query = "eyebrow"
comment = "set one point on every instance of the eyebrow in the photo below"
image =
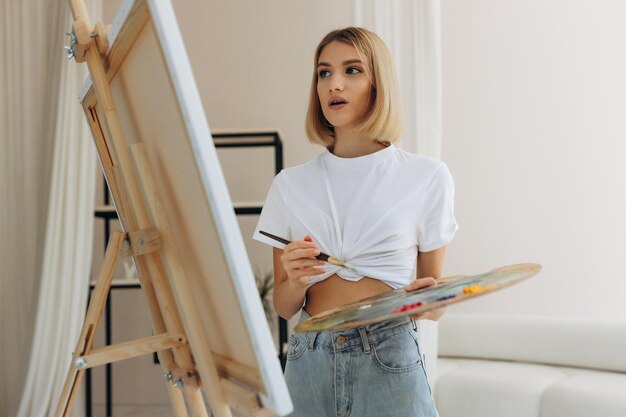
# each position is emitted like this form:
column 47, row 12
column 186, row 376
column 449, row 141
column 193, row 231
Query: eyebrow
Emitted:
column 348, row 62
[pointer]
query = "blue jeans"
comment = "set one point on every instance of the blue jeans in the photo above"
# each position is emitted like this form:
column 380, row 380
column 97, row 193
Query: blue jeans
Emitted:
column 370, row 371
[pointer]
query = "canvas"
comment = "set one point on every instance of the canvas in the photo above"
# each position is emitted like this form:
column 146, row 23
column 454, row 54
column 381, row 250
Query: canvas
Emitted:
column 165, row 177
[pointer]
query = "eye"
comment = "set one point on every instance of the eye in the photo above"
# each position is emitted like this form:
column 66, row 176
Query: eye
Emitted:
column 324, row 73
column 353, row 70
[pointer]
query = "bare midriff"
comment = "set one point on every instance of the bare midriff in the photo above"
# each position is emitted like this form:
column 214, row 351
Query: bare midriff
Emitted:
column 336, row 291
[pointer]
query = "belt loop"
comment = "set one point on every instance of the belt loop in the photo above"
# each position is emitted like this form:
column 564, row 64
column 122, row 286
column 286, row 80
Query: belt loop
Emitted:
column 311, row 337
column 414, row 323
column 364, row 340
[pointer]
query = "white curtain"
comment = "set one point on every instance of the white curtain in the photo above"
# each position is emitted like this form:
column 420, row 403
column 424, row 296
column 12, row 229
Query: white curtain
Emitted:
column 411, row 30
column 65, row 268
column 31, row 33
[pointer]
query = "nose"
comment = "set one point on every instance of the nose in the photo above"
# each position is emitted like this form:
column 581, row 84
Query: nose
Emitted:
column 336, row 83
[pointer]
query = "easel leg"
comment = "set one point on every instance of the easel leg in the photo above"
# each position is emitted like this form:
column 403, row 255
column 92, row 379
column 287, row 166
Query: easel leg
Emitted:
column 197, row 402
column 178, row 401
column 219, row 404
column 96, row 306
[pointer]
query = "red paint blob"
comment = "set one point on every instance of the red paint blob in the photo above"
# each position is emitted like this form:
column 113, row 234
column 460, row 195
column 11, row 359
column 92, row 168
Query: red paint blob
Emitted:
column 407, row 307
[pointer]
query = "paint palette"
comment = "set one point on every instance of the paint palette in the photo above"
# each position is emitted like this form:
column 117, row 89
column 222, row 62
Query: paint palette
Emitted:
column 398, row 303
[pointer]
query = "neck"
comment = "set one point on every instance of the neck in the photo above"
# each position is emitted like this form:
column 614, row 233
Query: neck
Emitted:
column 350, row 143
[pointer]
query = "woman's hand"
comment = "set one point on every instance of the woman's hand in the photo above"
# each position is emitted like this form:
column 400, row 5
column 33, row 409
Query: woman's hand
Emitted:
column 299, row 261
column 423, row 283
column 420, row 283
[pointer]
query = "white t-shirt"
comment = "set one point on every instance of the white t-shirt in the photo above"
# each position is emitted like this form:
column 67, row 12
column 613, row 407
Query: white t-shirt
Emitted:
column 372, row 212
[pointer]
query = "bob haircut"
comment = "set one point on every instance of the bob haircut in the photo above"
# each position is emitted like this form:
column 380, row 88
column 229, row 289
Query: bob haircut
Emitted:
column 383, row 120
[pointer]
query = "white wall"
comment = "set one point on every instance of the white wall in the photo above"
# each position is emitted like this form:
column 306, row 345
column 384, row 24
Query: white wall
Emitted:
column 534, row 112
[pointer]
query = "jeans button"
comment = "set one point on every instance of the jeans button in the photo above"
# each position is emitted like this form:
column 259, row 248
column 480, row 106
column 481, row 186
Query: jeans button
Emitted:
column 341, row 340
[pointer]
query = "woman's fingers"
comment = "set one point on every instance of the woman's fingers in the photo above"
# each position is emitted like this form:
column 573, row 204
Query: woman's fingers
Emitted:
column 300, row 249
column 307, row 272
column 299, row 260
column 302, row 253
column 291, row 264
column 430, row 315
column 421, row 283
column 300, row 244
column 310, row 270
column 304, row 262
column 301, row 276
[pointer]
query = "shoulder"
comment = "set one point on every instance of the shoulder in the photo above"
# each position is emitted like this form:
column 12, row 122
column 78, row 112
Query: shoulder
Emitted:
column 298, row 174
column 420, row 166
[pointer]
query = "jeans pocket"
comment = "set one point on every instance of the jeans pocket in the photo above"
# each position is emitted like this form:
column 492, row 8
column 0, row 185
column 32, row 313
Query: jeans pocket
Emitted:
column 398, row 353
column 298, row 343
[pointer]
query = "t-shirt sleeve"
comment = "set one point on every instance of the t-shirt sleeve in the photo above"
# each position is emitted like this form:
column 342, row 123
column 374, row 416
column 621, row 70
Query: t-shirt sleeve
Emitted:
column 275, row 216
column 437, row 225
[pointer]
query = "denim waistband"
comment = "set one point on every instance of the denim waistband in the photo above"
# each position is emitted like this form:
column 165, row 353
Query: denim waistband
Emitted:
column 358, row 336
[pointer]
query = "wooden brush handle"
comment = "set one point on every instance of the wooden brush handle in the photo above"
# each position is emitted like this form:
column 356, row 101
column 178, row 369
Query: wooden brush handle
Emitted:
column 322, row 256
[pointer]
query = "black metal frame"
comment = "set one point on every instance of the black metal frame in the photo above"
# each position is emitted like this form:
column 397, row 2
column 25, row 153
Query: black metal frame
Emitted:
column 220, row 140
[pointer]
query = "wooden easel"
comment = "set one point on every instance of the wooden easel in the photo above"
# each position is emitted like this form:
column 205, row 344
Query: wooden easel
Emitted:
column 147, row 238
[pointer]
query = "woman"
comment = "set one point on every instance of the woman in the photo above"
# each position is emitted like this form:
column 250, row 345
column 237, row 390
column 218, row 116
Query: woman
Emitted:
column 385, row 212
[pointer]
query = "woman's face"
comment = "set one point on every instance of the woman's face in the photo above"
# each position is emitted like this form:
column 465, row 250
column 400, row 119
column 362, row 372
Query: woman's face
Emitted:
column 343, row 86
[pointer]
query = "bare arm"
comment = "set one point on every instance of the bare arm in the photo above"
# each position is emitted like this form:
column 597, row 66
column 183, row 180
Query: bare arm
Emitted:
column 429, row 267
column 430, row 264
column 293, row 267
column 287, row 299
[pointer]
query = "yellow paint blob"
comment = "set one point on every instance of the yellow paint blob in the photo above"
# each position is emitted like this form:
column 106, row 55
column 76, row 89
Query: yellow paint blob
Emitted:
column 473, row 289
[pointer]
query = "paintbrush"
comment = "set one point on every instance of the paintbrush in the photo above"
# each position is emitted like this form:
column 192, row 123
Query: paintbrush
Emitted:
column 322, row 256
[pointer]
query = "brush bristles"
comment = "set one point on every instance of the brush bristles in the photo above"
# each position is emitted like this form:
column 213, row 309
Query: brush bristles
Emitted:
column 337, row 262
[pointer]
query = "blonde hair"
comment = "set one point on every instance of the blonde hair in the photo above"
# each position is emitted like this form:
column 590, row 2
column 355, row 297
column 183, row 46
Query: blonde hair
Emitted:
column 383, row 120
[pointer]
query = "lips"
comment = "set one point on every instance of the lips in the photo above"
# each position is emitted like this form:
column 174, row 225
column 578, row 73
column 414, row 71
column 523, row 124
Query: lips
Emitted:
column 336, row 103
